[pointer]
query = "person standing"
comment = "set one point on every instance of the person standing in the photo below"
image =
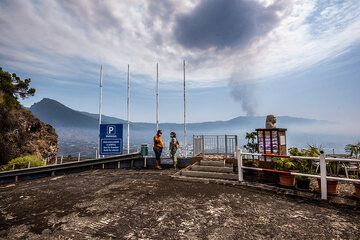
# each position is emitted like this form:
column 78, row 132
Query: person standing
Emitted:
column 173, row 146
column 158, row 147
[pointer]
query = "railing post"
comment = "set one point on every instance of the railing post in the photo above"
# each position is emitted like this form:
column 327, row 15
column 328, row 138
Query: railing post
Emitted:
column 194, row 145
column 236, row 142
column 226, row 152
column 61, row 159
column 217, row 144
column 323, row 177
column 29, row 164
column 203, row 146
column 56, row 160
column 96, row 154
column 79, row 157
column 239, row 161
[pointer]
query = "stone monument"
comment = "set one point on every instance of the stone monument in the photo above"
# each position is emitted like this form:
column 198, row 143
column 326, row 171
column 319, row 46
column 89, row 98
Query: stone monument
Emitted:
column 270, row 121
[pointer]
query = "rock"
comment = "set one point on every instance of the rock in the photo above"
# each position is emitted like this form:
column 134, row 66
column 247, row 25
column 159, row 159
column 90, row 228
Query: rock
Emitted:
column 21, row 134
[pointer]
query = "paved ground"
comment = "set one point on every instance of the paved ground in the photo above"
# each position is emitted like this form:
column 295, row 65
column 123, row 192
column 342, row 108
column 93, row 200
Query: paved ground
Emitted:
column 123, row 204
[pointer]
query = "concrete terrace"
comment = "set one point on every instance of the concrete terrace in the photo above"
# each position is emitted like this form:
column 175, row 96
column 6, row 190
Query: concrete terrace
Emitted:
column 128, row 204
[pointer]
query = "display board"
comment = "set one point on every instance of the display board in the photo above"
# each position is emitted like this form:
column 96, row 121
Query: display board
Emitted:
column 111, row 139
column 272, row 141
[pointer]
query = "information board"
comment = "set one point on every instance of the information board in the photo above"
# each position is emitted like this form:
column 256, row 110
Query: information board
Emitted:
column 111, row 139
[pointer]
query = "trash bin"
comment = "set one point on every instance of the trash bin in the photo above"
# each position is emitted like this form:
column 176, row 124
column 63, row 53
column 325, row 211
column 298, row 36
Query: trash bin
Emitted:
column 144, row 150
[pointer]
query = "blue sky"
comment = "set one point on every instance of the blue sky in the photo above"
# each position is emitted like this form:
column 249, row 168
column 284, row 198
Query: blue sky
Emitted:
column 298, row 58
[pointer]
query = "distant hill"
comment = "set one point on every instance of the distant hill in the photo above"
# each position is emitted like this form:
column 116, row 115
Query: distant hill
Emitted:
column 78, row 129
column 59, row 115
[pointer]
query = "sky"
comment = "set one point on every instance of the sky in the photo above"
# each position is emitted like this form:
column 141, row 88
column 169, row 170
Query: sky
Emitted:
column 243, row 57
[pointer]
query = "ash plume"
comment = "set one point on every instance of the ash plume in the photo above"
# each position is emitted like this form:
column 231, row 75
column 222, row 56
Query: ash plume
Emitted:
column 244, row 93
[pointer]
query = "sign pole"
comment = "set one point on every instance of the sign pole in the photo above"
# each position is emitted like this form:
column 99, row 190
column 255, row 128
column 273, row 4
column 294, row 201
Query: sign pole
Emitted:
column 157, row 96
column 185, row 144
column 128, row 110
column 100, row 107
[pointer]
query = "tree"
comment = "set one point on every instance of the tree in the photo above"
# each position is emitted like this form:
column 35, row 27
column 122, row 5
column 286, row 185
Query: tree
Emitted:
column 13, row 87
column 353, row 149
column 251, row 145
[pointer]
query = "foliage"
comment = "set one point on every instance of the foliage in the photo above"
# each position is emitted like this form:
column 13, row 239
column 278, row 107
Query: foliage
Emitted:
column 251, row 146
column 12, row 87
column 23, row 162
column 284, row 164
column 310, row 151
column 353, row 150
column 305, row 165
column 250, row 163
column 357, row 174
column 333, row 168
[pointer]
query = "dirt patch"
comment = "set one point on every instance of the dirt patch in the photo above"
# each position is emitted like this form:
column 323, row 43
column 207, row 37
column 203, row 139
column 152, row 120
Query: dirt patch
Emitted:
column 146, row 204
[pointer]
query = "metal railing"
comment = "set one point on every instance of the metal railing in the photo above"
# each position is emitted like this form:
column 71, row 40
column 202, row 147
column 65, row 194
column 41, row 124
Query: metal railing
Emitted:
column 52, row 169
column 322, row 162
column 215, row 144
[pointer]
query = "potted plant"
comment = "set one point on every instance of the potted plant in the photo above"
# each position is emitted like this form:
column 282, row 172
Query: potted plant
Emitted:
column 284, row 165
column 354, row 150
column 304, row 165
column 356, row 184
column 333, row 168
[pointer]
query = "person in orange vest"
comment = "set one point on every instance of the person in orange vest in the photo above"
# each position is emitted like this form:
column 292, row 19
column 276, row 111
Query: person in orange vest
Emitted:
column 158, row 147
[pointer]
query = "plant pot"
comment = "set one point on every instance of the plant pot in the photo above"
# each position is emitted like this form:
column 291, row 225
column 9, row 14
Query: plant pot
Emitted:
column 357, row 190
column 331, row 186
column 286, row 180
column 302, row 183
column 269, row 177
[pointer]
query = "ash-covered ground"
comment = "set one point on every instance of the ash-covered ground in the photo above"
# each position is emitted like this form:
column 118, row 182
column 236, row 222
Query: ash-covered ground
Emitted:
column 125, row 204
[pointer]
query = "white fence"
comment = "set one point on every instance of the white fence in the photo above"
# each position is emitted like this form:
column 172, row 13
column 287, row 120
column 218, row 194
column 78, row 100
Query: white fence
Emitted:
column 322, row 159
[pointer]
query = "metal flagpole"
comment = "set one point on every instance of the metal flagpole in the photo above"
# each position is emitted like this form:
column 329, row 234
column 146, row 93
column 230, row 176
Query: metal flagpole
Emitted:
column 128, row 110
column 157, row 96
column 100, row 107
column 185, row 143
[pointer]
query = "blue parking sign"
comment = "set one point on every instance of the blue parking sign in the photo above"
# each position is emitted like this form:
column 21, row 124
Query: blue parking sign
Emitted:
column 111, row 139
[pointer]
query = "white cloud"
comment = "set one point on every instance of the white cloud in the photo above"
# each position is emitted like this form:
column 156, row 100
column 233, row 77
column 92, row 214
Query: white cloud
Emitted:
column 52, row 37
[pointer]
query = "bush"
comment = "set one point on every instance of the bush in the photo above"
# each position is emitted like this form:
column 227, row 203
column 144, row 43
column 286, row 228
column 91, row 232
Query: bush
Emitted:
column 23, row 162
column 284, row 164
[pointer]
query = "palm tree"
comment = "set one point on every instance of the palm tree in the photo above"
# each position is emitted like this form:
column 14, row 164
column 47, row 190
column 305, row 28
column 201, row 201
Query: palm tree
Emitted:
column 353, row 150
column 251, row 145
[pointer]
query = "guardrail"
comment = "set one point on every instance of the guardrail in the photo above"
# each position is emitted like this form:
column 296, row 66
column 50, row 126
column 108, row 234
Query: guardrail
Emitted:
column 51, row 169
column 322, row 163
column 214, row 144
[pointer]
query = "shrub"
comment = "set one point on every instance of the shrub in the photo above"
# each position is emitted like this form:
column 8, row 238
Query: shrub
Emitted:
column 284, row 164
column 23, row 162
column 305, row 165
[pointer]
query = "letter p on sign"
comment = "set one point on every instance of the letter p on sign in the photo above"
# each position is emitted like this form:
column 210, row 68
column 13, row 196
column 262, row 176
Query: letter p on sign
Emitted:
column 111, row 130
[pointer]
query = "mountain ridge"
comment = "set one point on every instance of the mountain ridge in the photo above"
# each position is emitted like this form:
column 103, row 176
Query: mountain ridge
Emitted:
column 58, row 114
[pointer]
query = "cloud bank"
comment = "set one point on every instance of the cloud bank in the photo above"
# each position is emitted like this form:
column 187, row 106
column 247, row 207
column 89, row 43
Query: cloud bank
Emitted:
column 251, row 40
column 226, row 24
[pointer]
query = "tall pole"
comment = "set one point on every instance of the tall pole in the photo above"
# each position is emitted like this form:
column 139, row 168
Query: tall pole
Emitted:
column 157, row 96
column 185, row 143
column 128, row 110
column 100, row 106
